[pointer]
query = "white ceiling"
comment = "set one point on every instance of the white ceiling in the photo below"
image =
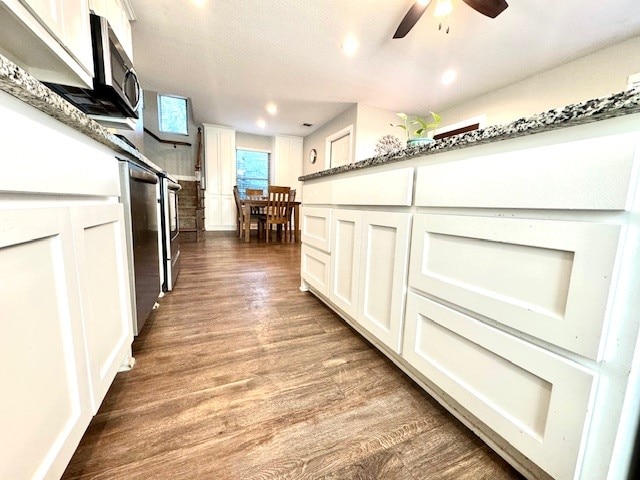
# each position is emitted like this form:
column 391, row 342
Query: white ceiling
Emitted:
column 231, row 57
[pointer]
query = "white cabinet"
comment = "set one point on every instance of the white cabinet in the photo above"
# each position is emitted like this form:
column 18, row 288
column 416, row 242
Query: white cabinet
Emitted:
column 539, row 402
column 66, row 321
column 369, row 262
column 220, row 171
column 45, row 402
column 345, row 259
column 104, row 283
column 66, row 329
column 382, row 281
column 62, row 52
column 119, row 14
column 286, row 163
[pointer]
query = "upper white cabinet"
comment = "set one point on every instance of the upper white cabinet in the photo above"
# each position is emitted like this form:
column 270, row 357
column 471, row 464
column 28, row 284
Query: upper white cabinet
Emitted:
column 286, row 163
column 119, row 14
column 50, row 39
column 220, row 172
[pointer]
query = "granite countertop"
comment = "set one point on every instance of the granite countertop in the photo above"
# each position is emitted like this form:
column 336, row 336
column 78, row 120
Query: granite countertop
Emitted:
column 15, row 81
column 618, row 104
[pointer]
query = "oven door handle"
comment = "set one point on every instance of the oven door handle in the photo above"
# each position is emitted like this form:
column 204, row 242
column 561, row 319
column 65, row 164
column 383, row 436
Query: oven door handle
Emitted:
column 143, row 176
column 174, row 186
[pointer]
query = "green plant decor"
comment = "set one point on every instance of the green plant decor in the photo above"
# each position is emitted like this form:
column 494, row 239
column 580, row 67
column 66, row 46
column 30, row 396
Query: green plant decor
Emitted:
column 418, row 127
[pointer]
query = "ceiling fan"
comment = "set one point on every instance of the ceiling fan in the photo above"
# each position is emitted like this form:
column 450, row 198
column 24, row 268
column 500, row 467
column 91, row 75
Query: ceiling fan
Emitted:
column 490, row 8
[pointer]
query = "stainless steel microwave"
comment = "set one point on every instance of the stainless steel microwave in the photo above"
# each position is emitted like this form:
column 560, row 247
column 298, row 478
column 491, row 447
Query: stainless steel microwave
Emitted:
column 116, row 90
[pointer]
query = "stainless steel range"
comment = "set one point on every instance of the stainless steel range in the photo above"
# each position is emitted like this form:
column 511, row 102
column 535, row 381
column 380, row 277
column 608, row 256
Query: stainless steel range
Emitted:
column 169, row 188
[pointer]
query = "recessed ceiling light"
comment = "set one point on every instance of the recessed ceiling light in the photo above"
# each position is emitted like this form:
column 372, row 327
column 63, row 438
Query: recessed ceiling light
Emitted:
column 199, row 3
column 272, row 108
column 449, row 77
column 261, row 123
column 350, row 45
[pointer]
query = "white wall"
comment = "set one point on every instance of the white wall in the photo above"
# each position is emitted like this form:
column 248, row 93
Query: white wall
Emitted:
column 180, row 160
column 250, row 141
column 317, row 139
column 601, row 73
column 372, row 124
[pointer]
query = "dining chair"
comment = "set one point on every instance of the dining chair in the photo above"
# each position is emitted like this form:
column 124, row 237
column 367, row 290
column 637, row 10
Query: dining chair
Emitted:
column 240, row 213
column 254, row 194
column 277, row 210
column 292, row 198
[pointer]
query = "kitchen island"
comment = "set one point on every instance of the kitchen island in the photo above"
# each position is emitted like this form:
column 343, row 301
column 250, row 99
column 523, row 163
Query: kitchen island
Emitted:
column 498, row 268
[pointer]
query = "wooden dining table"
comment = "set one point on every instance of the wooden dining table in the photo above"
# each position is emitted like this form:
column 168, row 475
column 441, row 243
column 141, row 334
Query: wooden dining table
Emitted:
column 248, row 203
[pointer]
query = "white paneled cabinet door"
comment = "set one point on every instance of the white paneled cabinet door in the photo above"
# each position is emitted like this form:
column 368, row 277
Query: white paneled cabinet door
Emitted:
column 45, row 403
column 104, row 285
column 220, row 171
column 383, row 275
column 77, row 32
column 345, row 259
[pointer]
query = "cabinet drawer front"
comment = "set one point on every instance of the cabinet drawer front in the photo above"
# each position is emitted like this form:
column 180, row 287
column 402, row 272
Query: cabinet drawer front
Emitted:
column 314, row 269
column 392, row 188
column 592, row 174
column 316, row 227
column 549, row 279
column 537, row 401
column 60, row 161
column 317, row 193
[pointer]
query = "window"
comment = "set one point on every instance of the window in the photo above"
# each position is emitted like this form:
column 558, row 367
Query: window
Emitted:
column 252, row 170
column 172, row 114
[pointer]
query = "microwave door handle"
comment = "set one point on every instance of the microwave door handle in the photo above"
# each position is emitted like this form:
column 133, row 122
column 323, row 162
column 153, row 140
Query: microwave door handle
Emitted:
column 131, row 73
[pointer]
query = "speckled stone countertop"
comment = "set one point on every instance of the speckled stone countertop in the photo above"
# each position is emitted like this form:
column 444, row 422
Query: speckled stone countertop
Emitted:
column 618, row 104
column 17, row 82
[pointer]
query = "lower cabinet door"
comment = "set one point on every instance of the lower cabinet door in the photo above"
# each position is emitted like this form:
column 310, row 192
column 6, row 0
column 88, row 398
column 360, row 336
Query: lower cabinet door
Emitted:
column 314, row 269
column 383, row 275
column 44, row 405
column 345, row 260
column 538, row 401
column 104, row 283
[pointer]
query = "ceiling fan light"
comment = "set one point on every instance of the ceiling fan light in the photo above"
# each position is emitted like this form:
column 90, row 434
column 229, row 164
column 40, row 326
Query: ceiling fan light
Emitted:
column 443, row 8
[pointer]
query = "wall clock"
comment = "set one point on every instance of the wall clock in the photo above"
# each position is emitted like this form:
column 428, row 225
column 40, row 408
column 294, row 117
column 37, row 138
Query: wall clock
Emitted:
column 313, row 155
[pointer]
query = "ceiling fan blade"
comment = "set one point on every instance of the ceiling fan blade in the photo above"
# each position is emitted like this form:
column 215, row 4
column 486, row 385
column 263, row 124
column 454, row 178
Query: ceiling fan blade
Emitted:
column 490, row 8
column 411, row 18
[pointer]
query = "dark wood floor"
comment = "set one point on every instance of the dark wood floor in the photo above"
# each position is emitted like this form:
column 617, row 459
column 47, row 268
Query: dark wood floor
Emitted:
column 239, row 375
